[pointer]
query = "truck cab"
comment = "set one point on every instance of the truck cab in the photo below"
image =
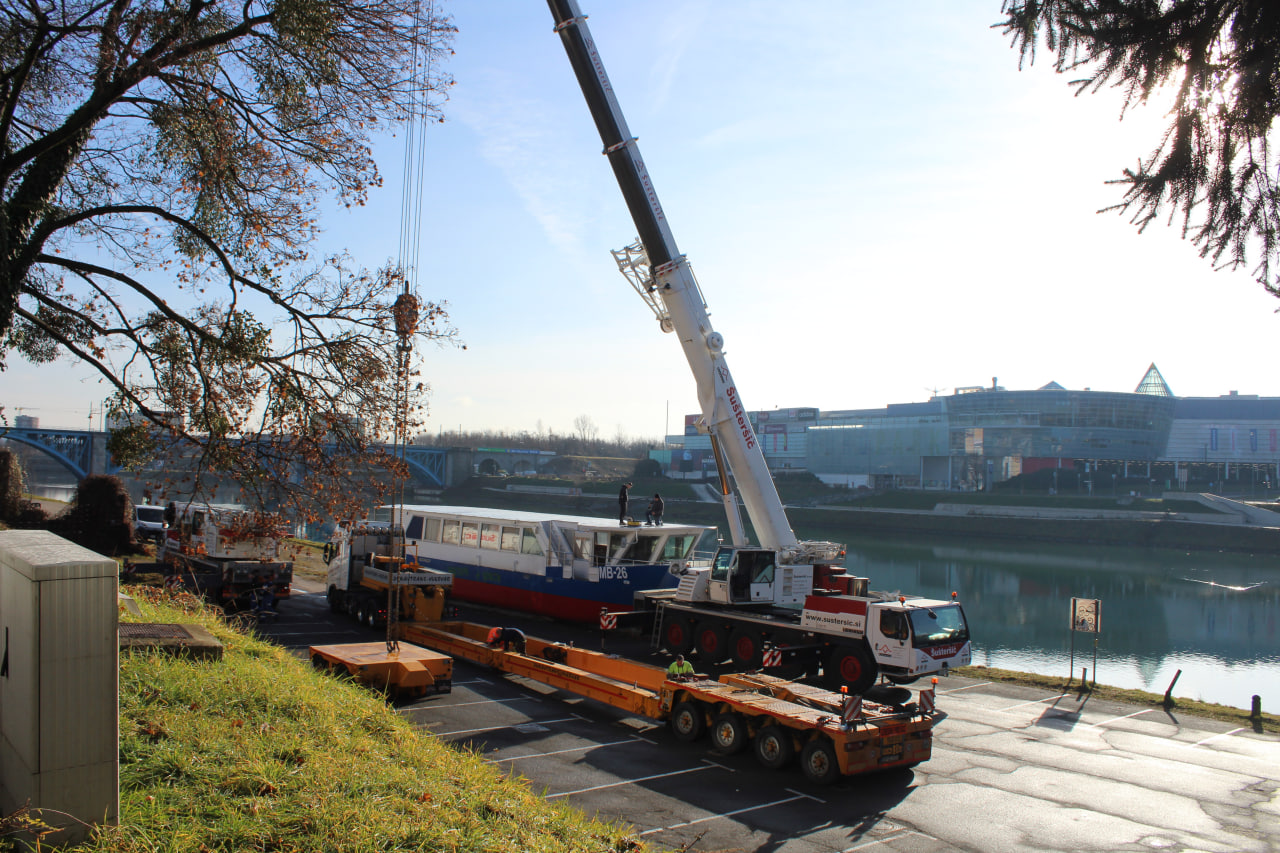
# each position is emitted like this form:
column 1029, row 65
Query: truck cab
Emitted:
column 911, row 637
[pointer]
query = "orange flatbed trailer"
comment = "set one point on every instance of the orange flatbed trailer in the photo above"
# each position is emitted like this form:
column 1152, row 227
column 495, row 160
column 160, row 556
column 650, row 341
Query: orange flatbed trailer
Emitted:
column 409, row 671
column 780, row 719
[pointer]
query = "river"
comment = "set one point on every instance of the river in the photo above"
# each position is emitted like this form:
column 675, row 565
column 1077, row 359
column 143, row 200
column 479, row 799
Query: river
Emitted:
column 1211, row 615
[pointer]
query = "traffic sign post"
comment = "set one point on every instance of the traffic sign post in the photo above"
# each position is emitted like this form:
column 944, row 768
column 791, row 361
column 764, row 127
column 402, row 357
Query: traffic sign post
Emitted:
column 1086, row 617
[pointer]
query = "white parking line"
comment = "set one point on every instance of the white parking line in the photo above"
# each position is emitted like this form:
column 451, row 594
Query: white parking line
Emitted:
column 507, row 726
column 586, row 748
column 892, row 835
column 1215, row 737
column 495, row 701
column 1114, row 719
column 1036, row 702
column 734, row 813
column 629, row 782
column 967, row 687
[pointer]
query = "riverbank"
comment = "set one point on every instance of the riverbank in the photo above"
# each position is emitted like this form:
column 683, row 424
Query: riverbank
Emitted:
column 1185, row 522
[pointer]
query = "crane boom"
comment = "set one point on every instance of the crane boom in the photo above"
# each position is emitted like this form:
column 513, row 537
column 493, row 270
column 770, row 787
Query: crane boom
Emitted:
column 723, row 413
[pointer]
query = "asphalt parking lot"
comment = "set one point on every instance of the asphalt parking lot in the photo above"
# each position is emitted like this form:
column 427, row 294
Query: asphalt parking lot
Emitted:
column 1013, row 769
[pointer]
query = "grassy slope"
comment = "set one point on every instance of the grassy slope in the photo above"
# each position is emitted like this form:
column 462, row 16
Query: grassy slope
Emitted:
column 259, row 752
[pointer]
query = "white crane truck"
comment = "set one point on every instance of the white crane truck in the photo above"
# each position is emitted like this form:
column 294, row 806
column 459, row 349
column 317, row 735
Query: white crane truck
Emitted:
column 785, row 592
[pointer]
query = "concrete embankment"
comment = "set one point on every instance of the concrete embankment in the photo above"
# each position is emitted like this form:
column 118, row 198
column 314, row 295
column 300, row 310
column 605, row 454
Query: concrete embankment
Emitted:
column 1242, row 532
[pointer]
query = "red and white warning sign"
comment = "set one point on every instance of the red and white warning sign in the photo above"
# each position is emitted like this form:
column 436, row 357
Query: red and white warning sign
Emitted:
column 926, row 702
column 772, row 656
column 608, row 621
column 852, row 710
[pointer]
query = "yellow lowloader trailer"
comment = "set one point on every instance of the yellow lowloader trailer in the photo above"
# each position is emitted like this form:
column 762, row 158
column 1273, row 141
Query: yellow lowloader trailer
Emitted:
column 834, row 735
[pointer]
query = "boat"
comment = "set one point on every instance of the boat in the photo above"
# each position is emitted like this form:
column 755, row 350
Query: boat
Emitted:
column 562, row 566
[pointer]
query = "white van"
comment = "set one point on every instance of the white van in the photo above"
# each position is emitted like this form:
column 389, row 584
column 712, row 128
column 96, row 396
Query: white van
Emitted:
column 149, row 523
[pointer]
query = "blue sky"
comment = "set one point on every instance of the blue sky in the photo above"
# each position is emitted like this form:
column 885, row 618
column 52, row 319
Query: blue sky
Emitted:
column 875, row 200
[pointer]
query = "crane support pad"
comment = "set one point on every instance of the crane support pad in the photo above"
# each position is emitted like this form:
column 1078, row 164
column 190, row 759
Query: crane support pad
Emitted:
column 409, row 670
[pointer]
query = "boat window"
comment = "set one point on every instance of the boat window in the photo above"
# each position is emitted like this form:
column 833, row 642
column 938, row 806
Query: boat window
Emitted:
column 414, row 530
column 677, row 547
column 433, row 530
column 529, row 544
column 511, row 538
column 583, row 547
column 453, row 532
column 489, row 536
column 641, row 550
column 470, row 534
column 197, row 523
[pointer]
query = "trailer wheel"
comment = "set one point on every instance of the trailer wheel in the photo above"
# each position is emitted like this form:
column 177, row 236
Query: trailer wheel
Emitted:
column 773, row 747
column 818, row 761
column 678, row 636
column 711, row 641
column 318, row 661
column 851, row 666
column 746, row 648
column 687, row 722
column 729, row 733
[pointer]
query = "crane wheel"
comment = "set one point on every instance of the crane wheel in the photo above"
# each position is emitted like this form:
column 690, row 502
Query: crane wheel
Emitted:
column 818, row 761
column 746, row 648
column 678, row 636
column 850, row 666
column 711, row 642
column 687, row 722
column 773, row 747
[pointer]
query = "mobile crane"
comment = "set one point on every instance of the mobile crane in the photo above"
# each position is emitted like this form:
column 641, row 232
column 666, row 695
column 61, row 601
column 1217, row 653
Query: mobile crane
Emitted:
column 785, row 592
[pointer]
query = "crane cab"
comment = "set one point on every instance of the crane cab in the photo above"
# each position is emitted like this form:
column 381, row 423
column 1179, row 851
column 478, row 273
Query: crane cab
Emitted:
column 754, row 576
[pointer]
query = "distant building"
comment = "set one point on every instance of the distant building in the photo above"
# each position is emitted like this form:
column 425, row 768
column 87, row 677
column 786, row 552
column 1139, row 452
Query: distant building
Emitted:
column 987, row 434
column 26, row 422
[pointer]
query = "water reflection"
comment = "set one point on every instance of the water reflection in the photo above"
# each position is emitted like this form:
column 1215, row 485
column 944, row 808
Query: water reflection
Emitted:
column 1213, row 616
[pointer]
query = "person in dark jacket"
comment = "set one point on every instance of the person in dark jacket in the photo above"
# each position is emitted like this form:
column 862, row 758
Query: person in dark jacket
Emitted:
column 624, row 500
column 654, row 515
column 508, row 637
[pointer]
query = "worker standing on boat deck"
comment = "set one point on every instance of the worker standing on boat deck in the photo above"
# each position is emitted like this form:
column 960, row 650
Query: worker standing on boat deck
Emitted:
column 624, row 500
column 654, row 515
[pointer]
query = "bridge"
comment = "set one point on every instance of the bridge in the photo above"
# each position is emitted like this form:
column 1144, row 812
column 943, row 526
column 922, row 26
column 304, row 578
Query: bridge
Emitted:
column 84, row 452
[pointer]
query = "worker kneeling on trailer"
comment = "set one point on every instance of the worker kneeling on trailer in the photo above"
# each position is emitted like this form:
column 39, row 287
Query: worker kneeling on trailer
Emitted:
column 509, row 637
column 680, row 669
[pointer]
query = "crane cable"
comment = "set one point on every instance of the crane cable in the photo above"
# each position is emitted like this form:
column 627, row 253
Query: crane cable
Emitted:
column 405, row 310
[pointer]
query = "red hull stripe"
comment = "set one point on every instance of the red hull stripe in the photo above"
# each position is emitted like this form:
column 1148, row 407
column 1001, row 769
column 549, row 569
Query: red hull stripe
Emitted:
column 524, row 601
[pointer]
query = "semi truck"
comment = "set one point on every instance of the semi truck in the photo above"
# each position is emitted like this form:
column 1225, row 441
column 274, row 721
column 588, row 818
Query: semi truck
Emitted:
column 783, row 591
column 225, row 552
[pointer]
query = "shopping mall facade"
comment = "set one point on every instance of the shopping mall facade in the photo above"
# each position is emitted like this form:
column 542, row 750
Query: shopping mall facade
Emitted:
column 984, row 435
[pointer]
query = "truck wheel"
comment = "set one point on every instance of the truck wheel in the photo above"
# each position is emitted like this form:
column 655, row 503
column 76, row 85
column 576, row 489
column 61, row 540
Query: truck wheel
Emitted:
column 773, row 747
column 903, row 679
column 359, row 611
column 851, row 666
column 818, row 761
column 746, row 649
column 687, row 722
column 678, row 636
column 335, row 599
column 711, row 642
column 729, row 733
